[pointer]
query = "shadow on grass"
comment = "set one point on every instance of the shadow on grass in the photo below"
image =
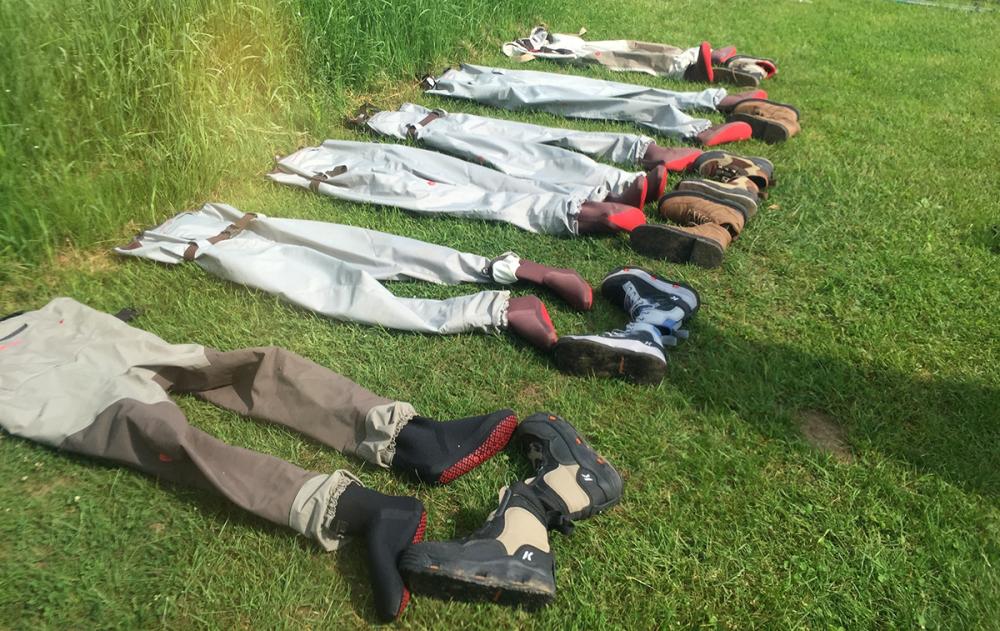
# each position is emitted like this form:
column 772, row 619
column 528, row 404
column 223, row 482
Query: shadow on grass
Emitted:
column 938, row 426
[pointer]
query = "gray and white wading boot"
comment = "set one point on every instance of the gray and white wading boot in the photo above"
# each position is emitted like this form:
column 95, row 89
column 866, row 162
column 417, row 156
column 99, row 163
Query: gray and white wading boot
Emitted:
column 649, row 299
column 634, row 353
column 572, row 480
column 507, row 561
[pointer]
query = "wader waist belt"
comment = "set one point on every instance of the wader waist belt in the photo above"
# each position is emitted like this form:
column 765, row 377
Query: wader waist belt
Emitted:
column 231, row 231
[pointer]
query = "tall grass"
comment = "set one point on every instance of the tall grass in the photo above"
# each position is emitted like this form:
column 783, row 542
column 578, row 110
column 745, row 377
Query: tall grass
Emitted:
column 112, row 111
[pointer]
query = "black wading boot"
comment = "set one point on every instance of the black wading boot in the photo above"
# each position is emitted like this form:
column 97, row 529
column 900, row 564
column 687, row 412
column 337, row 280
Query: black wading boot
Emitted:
column 507, row 561
column 572, row 480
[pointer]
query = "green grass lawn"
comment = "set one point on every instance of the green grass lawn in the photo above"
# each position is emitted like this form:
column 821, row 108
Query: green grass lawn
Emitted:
column 825, row 449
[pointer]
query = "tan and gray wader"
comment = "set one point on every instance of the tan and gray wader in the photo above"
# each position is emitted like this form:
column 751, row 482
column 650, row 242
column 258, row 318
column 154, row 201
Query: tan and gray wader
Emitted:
column 85, row 382
column 626, row 55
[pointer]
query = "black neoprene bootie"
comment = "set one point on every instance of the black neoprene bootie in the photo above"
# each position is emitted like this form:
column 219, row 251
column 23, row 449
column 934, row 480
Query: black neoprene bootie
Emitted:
column 571, row 480
column 389, row 524
column 438, row 452
column 507, row 561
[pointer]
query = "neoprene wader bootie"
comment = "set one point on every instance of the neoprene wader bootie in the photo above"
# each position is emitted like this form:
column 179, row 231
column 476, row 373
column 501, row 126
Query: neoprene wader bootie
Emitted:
column 570, row 286
column 701, row 69
column 507, row 561
column 675, row 159
column 634, row 195
column 608, row 218
column 389, row 524
column 438, row 452
column 572, row 480
column 528, row 318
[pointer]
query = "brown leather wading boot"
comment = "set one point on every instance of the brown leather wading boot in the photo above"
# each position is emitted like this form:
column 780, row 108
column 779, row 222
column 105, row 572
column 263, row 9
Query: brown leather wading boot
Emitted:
column 771, row 121
column 705, row 228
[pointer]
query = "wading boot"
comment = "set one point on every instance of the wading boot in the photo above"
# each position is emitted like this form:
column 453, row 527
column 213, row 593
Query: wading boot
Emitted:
column 705, row 228
column 572, row 480
column 389, row 524
column 666, row 304
column 703, row 245
column 634, row 353
column 725, row 167
column 507, row 561
column 771, row 122
column 740, row 191
column 438, row 452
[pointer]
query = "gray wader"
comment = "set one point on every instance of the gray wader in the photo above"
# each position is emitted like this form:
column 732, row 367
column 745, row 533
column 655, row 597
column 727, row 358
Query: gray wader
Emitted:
column 85, row 382
column 625, row 55
column 549, row 156
column 573, row 96
column 427, row 182
column 334, row 270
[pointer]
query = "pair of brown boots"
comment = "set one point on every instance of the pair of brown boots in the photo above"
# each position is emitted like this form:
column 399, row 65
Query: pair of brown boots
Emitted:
column 707, row 212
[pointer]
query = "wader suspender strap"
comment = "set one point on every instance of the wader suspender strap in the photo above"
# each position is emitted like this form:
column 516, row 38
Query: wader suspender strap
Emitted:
column 231, row 231
column 319, row 178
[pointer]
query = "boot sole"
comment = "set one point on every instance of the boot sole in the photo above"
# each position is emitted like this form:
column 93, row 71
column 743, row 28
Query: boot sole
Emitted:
column 506, row 582
column 658, row 241
column 770, row 131
column 547, row 427
column 584, row 357
column 497, row 439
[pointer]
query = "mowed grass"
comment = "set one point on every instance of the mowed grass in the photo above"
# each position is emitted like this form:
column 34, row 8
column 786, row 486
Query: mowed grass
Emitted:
column 861, row 302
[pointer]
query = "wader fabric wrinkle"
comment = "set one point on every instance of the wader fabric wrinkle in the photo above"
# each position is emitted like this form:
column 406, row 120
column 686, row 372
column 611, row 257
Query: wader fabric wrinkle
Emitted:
column 83, row 381
column 427, row 182
column 520, row 150
column 661, row 60
column 573, row 96
column 334, row 270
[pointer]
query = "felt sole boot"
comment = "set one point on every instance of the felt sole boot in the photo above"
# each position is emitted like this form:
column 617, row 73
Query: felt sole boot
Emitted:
column 679, row 245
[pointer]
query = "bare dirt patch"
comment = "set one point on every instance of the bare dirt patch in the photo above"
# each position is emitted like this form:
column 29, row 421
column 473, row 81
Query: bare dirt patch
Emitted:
column 825, row 433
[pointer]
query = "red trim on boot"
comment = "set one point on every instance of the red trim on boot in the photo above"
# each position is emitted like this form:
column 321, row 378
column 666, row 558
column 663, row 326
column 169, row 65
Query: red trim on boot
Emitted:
column 645, row 190
column 756, row 94
column 628, row 220
column 418, row 536
column 705, row 57
column 490, row 447
column 728, row 132
column 663, row 178
column 681, row 164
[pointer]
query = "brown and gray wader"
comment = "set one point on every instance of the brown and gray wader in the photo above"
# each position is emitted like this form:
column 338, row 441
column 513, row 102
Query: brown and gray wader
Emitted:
column 83, row 381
